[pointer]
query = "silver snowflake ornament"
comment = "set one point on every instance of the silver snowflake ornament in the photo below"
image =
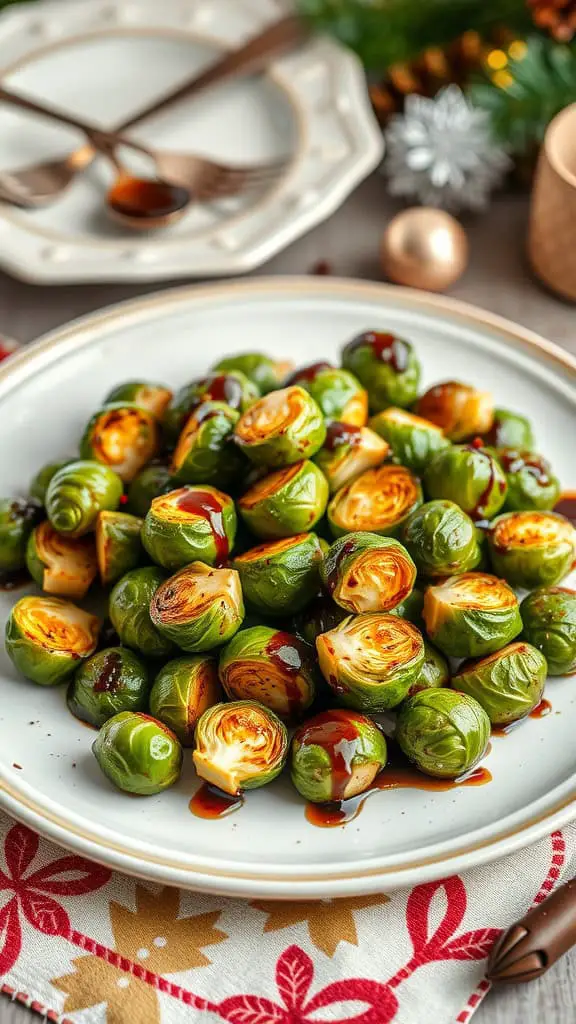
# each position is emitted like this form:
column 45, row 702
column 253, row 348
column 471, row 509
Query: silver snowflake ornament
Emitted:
column 442, row 152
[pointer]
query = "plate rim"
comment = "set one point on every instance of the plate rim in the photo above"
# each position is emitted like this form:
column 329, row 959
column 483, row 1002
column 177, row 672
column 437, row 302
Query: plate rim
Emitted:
column 86, row 330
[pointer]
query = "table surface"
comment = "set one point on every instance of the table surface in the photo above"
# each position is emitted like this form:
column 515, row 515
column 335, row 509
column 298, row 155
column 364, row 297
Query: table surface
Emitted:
column 497, row 279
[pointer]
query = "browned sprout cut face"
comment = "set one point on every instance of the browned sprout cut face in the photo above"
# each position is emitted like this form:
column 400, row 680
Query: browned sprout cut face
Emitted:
column 63, row 566
column 460, row 410
column 239, row 746
column 377, row 501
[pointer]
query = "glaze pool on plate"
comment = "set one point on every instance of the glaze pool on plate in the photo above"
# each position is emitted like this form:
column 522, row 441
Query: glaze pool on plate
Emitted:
column 267, row 847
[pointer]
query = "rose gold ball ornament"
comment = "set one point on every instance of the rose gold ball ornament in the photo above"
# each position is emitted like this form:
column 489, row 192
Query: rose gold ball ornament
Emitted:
column 424, row 248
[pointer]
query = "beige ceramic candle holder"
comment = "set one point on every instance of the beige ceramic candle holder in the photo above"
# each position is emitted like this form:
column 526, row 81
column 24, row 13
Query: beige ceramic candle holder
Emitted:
column 552, row 234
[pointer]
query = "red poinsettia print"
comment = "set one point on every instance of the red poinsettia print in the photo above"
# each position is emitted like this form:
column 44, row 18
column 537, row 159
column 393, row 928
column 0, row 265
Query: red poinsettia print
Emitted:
column 32, row 892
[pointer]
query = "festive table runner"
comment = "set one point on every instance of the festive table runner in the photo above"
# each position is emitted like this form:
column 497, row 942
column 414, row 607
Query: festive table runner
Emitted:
column 81, row 943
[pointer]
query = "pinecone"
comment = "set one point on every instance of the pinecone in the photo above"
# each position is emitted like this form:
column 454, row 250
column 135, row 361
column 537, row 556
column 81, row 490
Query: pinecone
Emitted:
column 557, row 17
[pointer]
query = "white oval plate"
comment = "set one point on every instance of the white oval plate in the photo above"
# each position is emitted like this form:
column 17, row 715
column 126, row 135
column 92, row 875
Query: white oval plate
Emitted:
column 267, row 848
column 105, row 59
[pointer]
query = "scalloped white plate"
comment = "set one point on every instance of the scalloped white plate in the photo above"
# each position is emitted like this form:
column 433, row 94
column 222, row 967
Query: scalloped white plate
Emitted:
column 267, row 848
column 103, row 59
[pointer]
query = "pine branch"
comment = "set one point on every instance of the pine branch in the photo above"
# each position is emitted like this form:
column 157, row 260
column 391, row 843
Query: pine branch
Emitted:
column 542, row 83
column 384, row 32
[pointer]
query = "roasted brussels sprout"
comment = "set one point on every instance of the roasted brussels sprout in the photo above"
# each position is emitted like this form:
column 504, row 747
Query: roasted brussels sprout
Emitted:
column 282, row 577
column 386, row 366
column 122, row 436
column 509, row 430
column 318, row 617
column 337, row 392
column 349, row 451
column 199, row 608
column 469, row 476
column 265, row 373
column 78, row 492
column 239, row 746
column 444, row 733
column 442, row 539
column 371, row 661
column 188, row 524
column 231, row 388
column 64, row 566
column 272, row 667
column 138, row 754
column 40, row 483
column 118, row 544
column 282, row 428
column 411, row 608
column 378, row 501
column 530, row 480
column 155, row 479
column 148, row 395
column 549, row 618
column 507, row 684
column 129, row 612
column 289, row 501
column 205, row 453
column 336, row 755
column 435, row 671
column 472, row 614
column 182, row 692
column 460, row 410
column 364, row 572
column 47, row 637
column 532, row 549
column 17, row 521
column 413, row 440
column 111, row 681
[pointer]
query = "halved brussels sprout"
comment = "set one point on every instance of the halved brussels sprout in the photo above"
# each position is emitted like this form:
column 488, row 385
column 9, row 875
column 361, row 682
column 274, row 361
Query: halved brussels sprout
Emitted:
column 17, row 521
column 336, row 755
column 284, row 427
column 532, row 549
column 444, row 733
column 138, row 754
column 78, row 492
column 289, row 501
column 199, row 608
column 469, row 476
column 232, row 388
column 282, row 577
column 240, row 746
column 411, row 608
column 472, row 614
column 47, row 637
column 531, row 482
column 509, row 430
column 318, row 617
column 129, row 612
column 377, row 501
column 435, row 671
column 549, row 617
column 41, row 481
column 349, row 451
column 387, row 367
column 337, row 392
column 442, row 539
column 154, row 479
column 459, row 409
column 182, row 692
column 507, row 684
column 267, row 374
column 118, row 544
column 364, row 572
column 272, row 667
column 64, row 566
column 205, row 453
column 111, row 681
column 189, row 524
column 123, row 436
column 148, row 395
column 413, row 440
column 371, row 661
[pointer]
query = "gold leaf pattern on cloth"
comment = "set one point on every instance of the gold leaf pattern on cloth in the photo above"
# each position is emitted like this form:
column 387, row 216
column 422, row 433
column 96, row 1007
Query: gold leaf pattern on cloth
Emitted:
column 329, row 921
